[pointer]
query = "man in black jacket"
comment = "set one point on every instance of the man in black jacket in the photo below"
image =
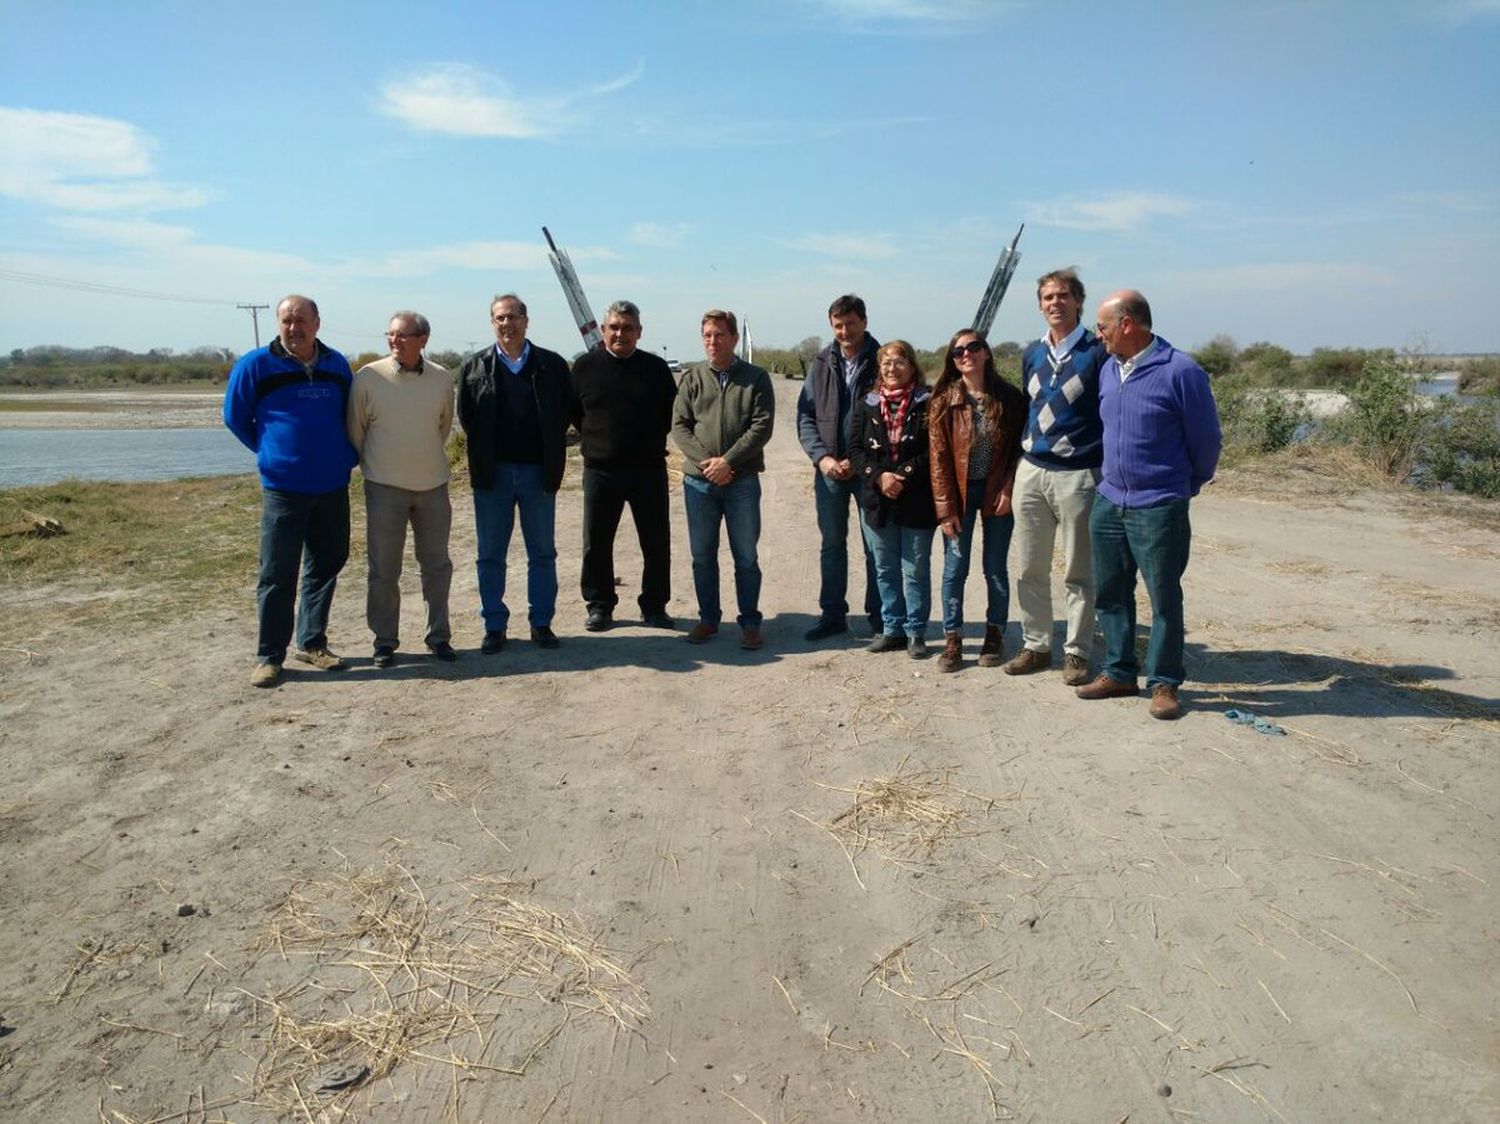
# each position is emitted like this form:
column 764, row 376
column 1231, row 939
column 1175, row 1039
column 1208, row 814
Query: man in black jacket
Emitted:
column 622, row 406
column 841, row 374
column 513, row 401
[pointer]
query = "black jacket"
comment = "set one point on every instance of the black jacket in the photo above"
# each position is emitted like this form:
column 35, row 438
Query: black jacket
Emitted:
column 478, row 403
column 870, row 455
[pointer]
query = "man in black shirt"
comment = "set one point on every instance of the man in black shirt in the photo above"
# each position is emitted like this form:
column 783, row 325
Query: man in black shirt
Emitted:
column 622, row 407
column 513, row 404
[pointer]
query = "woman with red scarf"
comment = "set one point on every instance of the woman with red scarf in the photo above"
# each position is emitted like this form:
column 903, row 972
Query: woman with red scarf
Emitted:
column 888, row 452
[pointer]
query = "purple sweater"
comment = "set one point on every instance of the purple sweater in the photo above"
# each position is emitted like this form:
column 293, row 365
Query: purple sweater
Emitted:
column 1161, row 429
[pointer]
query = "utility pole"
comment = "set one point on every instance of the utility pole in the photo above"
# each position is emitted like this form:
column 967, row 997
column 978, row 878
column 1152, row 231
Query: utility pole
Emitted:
column 254, row 317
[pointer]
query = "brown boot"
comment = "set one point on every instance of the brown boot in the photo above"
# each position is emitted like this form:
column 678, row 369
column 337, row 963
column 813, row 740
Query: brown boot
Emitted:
column 953, row 652
column 992, row 648
column 1026, row 661
column 1164, row 703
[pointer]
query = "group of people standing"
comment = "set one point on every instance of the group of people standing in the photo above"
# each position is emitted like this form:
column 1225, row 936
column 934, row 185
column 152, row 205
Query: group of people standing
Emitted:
column 1111, row 435
column 1114, row 432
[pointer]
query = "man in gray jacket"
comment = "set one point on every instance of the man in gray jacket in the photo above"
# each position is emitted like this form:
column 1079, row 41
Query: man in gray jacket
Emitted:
column 721, row 421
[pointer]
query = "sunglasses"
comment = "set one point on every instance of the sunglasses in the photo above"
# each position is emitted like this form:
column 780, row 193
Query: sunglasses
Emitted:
column 973, row 347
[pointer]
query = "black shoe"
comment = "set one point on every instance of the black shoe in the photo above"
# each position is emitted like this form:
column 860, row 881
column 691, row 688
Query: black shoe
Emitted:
column 600, row 620
column 543, row 637
column 493, row 642
column 885, row 642
column 658, row 619
column 826, row 627
column 443, row 650
column 385, row 655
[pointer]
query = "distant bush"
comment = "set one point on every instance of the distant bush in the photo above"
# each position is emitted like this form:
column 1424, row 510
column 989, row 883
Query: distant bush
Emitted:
column 1385, row 421
column 1480, row 376
column 1341, row 367
column 1217, row 356
column 1265, row 364
column 1258, row 419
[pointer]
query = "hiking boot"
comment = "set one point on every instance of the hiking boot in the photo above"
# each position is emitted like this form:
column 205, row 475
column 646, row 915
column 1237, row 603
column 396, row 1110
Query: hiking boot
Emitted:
column 442, row 650
column 544, row 637
column 952, row 656
column 916, row 648
column 600, row 620
column 659, row 619
column 1075, row 670
column 320, row 658
column 993, row 646
column 826, row 627
column 1164, row 702
column 750, row 638
column 702, row 633
column 494, row 641
column 886, row 642
column 267, row 673
column 1027, row 661
column 1106, row 688
column 385, row 655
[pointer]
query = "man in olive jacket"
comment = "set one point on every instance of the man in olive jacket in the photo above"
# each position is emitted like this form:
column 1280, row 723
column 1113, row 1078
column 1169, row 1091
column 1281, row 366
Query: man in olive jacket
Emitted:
column 513, row 401
column 721, row 421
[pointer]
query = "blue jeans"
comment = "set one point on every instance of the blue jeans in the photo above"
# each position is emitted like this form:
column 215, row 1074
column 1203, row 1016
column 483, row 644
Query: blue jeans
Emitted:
column 997, row 529
column 831, row 498
column 516, row 486
column 307, row 530
column 737, row 505
column 903, row 571
column 1153, row 541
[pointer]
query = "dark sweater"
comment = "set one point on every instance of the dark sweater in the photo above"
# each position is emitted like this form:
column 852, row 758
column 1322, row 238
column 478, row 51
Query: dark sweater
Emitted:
column 622, row 408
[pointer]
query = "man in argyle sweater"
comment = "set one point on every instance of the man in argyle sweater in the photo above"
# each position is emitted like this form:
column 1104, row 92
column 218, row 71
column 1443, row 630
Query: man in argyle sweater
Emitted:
column 1061, row 451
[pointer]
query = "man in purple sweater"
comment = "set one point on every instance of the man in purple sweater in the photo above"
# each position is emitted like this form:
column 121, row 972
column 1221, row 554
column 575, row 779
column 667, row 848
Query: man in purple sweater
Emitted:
column 1161, row 445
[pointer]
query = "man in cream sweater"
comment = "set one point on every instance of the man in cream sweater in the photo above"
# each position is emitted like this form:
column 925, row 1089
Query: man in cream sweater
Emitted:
column 400, row 415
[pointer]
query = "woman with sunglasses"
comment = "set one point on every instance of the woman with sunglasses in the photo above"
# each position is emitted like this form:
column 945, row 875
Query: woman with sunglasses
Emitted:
column 888, row 453
column 975, row 429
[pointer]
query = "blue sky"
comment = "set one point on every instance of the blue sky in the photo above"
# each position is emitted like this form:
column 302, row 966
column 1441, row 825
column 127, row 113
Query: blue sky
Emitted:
column 1315, row 174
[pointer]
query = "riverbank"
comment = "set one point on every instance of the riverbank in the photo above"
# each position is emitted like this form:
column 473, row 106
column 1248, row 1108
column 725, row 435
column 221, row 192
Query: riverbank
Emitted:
column 636, row 879
column 110, row 409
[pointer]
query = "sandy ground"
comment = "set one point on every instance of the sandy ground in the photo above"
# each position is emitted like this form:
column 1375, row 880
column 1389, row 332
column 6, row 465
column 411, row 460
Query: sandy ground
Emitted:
column 634, row 880
column 111, row 409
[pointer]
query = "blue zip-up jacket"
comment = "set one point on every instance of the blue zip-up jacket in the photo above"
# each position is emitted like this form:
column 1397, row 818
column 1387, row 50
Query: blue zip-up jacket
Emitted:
column 293, row 422
column 1161, row 429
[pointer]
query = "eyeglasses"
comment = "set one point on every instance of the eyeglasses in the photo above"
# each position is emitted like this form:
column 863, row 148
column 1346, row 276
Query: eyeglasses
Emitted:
column 1100, row 328
column 506, row 317
column 973, row 347
column 403, row 335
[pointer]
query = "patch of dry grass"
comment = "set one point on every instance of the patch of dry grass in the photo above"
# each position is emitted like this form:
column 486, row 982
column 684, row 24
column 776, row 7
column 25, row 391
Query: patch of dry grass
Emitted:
column 403, row 980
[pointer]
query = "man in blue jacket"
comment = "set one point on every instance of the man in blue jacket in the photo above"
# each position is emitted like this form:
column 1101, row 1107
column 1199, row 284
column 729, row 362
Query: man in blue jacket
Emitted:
column 1161, row 445
column 286, row 403
column 841, row 374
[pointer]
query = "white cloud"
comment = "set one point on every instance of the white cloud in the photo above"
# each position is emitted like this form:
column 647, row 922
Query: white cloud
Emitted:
column 924, row 11
column 465, row 101
column 1122, row 211
column 78, row 162
column 859, row 247
column 662, row 235
column 137, row 233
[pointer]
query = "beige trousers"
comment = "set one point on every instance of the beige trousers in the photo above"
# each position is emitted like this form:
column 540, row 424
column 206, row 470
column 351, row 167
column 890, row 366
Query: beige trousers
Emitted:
column 387, row 512
column 1050, row 503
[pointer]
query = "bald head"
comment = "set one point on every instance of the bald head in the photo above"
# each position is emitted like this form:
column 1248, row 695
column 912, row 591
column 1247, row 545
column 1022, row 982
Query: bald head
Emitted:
column 297, row 326
column 1124, row 323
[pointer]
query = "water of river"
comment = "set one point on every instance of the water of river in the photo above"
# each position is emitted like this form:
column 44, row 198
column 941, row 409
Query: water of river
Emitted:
column 45, row 456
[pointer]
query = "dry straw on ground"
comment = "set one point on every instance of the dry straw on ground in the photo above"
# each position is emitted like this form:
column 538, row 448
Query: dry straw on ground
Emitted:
column 398, row 978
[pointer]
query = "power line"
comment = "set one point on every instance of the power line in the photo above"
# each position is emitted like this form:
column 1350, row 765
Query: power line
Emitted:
column 94, row 287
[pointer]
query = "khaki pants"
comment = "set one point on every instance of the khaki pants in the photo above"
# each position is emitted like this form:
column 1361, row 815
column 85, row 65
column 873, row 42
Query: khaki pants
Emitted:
column 1047, row 502
column 387, row 512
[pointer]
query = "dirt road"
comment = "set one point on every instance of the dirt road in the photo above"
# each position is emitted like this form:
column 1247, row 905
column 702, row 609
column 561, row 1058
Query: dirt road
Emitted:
column 636, row 880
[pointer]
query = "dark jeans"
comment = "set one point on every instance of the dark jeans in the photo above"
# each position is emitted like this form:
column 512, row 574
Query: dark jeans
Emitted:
column 832, row 498
column 310, row 531
column 517, row 487
column 1153, row 541
column 606, row 491
column 737, row 506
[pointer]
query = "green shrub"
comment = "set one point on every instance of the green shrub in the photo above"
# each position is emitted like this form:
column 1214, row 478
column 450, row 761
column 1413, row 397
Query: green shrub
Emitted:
column 1341, row 367
column 1217, row 355
column 1462, row 449
column 1258, row 419
column 1480, row 376
column 1386, row 421
column 1265, row 364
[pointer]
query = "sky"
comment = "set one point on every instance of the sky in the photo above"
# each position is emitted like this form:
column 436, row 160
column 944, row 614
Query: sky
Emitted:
column 1315, row 174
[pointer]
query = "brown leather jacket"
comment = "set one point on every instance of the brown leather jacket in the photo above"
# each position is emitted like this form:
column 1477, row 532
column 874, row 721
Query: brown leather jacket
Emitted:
column 949, row 440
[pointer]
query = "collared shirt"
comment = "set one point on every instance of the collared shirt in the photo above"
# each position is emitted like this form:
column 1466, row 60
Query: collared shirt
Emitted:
column 853, row 367
column 1135, row 360
column 1064, row 348
column 514, row 365
column 417, row 370
column 722, row 376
